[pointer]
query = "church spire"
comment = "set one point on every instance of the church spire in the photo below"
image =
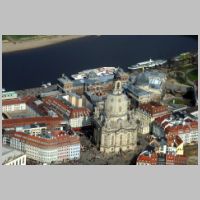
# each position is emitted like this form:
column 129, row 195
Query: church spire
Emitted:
column 118, row 87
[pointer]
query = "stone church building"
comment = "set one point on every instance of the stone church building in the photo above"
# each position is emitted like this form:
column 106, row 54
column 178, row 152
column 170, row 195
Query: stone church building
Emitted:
column 115, row 126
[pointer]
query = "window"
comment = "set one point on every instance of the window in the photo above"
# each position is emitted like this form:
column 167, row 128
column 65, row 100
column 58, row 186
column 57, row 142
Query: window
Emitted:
column 120, row 140
column 128, row 139
column 112, row 140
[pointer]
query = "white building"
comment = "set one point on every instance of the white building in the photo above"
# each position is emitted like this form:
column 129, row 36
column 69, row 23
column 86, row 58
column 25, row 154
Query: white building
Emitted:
column 9, row 95
column 80, row 118
column 13, row 105
column 12, row 156
column 48, row 148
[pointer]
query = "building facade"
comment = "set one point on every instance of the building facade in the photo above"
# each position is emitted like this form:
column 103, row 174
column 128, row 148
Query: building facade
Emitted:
column 12, row 156
column 47, row 148
column 115, row 127
column 12, row 105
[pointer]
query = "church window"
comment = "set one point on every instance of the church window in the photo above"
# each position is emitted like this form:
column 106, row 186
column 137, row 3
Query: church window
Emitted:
column 128, row 139
column 118, row 85
column 120, row 140
column 112, row 140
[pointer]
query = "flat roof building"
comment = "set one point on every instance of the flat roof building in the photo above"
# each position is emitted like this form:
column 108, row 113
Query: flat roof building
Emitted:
column 12, row 156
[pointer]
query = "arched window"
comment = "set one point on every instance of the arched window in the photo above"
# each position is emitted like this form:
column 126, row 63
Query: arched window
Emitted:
column 112, row 140
column 120, row 142
column 118, row 85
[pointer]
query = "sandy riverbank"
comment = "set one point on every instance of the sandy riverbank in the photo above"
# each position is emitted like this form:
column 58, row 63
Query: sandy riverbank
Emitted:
column 36, row 43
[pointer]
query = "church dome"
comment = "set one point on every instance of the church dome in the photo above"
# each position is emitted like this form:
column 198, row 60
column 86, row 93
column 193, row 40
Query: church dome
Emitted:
column 116, row 104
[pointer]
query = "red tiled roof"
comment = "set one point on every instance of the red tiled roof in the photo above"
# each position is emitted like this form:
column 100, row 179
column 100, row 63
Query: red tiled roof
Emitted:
column 175, row 129
column 60, row 140
column 56, row 102
column 153, row 107
column 151, row 159
column 160, row 119
column 8, row 123
column 77, row 112
column 12, row 102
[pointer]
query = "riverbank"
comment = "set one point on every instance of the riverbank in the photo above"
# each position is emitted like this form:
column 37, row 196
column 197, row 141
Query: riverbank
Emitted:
column 8, row 46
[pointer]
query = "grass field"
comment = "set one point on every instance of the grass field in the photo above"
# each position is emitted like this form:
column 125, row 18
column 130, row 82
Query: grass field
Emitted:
column 18, row 37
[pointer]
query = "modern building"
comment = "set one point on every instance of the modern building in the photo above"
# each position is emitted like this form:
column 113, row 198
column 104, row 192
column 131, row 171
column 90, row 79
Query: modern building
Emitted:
column 145, row 87
column 137, row 95
column 47, row 147
column 115, row 127
column 12, row 156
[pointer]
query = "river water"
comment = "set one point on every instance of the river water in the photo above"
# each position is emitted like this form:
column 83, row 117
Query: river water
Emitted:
column 31, row 68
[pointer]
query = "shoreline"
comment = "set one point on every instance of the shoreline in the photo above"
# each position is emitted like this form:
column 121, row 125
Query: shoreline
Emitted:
column 9, row 47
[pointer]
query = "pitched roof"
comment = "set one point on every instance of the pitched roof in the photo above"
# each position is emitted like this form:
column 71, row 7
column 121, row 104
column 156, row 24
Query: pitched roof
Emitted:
column 8, row 123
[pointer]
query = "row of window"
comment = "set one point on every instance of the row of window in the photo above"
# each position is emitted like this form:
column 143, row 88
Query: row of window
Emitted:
column 20, row 161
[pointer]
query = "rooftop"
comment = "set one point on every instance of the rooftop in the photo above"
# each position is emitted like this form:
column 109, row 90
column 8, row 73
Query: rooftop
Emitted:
column 9, row 123
column 48, row 140
column 136, row 91
column 153, row 107
column 9, row 154
column 64, row 79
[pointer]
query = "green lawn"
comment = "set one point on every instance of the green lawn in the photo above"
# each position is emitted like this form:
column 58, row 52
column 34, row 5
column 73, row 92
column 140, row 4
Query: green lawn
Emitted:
column 19, row 37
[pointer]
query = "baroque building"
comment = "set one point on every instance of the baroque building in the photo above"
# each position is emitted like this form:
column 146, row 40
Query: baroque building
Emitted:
column 115, row 126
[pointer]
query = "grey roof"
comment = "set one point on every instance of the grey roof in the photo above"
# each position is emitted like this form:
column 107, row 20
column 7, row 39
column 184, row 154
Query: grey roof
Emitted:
column 51, row 93
column 136, row 91
column 9, row 154
column 94, row 98
column 78, row 82
column 64, row 79
column 152, row 78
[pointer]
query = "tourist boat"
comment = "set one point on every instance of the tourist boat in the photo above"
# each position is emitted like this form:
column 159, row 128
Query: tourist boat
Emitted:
column 149, row 63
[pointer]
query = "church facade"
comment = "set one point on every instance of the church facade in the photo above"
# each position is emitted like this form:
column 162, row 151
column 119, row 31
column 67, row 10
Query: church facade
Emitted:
column 115, row 126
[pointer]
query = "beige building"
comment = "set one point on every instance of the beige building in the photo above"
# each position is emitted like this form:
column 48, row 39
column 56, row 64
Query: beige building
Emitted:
column 115, row 126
